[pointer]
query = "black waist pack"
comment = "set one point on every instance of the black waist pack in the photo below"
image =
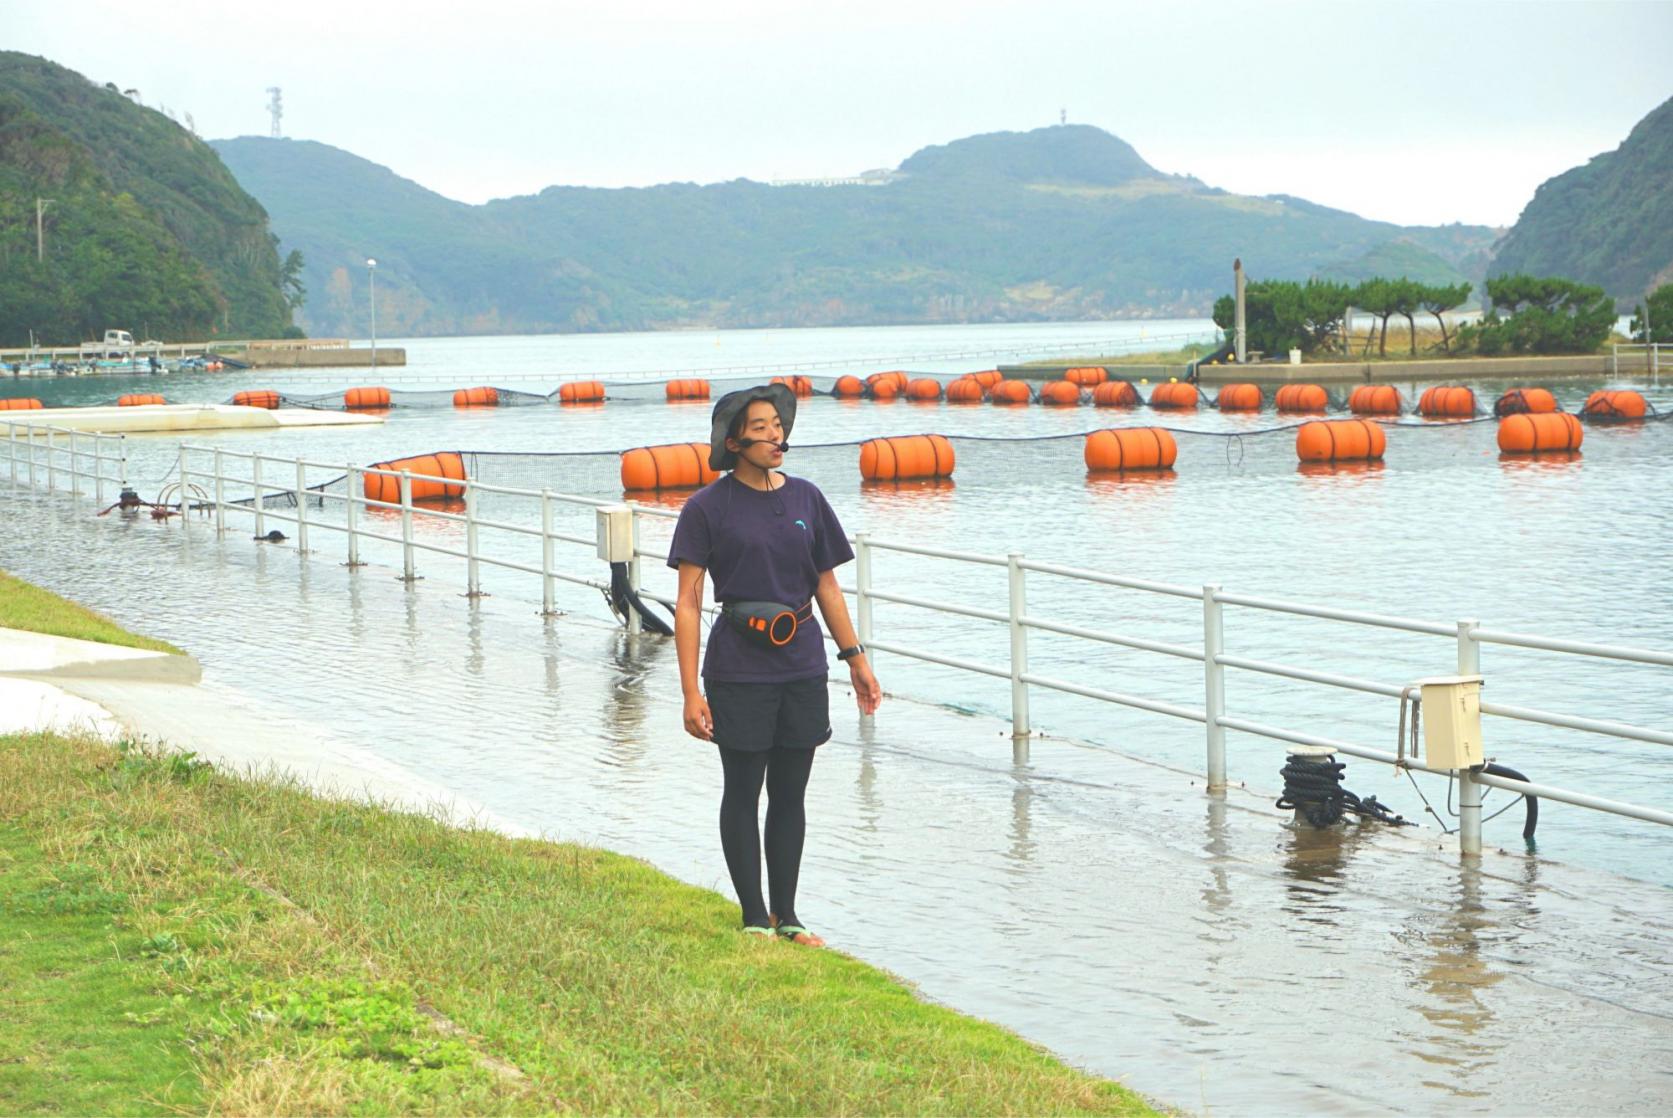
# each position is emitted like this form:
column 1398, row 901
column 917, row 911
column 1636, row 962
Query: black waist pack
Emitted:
column 768, row 624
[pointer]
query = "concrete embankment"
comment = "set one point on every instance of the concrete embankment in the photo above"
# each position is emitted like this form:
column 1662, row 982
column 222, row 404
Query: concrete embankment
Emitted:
column 1355, row 372
column 345, row 358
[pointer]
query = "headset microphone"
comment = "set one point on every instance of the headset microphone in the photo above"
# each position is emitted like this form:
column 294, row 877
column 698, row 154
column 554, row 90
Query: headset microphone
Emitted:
column 747, row 443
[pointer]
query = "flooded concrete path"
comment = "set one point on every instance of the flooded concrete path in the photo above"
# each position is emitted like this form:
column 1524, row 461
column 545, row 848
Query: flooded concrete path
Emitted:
column 1197, row 949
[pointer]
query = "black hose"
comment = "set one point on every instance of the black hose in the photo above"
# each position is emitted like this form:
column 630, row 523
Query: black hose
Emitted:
column 1314, row 787
column 1530, row 819
column 624, row 598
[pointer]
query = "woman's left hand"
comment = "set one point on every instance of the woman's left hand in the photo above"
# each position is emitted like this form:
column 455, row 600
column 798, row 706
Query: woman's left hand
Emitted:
column 867, row 691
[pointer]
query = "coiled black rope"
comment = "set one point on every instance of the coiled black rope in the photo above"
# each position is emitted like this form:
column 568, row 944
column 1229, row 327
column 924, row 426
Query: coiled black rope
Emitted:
column 1314, row 788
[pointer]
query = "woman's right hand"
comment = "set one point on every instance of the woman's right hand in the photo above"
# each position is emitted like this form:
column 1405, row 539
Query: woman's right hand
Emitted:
column 699, row 723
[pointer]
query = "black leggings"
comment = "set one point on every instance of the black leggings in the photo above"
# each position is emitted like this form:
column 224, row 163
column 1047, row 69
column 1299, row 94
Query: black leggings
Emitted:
column 786, row 772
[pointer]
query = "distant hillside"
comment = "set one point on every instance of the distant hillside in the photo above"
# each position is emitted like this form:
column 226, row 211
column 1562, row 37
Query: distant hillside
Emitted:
column 1406, row 258
column 1059, row 223
column 1609, row 222
column 145, row 229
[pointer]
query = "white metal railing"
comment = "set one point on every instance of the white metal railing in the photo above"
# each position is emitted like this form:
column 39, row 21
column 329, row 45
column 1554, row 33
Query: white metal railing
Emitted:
column 1652, row 358
column 205, row 474
column 44, row 454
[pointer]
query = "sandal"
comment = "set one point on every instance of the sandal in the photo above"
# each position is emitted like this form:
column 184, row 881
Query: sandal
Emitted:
column 795, row 933
column 757, row 930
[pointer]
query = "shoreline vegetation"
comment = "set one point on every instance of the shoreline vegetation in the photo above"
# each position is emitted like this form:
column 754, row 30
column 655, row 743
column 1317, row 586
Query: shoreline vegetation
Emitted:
column 179, row 939
column 30, row 608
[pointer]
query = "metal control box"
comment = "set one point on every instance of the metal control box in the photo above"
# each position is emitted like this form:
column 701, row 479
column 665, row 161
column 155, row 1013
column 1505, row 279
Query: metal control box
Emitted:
column 1452, row 721
column 615, row 533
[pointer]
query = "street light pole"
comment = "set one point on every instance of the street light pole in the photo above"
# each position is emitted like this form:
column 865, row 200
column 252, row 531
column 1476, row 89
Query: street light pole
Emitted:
column 372, row 289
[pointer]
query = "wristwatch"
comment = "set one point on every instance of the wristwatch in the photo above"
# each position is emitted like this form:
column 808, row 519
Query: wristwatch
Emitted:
column 850, row 653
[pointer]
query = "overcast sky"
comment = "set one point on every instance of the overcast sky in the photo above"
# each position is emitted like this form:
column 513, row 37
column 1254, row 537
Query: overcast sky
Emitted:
column 1420, row 113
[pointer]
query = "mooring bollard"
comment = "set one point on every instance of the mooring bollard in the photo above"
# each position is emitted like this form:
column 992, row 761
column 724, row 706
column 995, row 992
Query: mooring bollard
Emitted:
column 1312, row 786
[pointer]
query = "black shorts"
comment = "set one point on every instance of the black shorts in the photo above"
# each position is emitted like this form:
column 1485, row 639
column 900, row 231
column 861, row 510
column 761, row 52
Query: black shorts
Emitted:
column 754, row 717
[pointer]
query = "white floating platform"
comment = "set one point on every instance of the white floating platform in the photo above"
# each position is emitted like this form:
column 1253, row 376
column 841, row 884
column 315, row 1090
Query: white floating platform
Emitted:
column 186, row 417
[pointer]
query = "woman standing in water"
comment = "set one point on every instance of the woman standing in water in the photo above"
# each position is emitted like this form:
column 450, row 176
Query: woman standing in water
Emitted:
column 771, row 543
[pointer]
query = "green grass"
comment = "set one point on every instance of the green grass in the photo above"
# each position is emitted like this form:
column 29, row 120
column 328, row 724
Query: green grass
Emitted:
column 176, row 939
column 25, row 606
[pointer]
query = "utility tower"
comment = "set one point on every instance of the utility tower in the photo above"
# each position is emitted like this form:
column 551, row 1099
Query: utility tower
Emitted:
column 275, row 109
column 1063, row 116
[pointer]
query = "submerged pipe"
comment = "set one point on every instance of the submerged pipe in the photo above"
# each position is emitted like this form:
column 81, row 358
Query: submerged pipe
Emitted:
column 623, row 598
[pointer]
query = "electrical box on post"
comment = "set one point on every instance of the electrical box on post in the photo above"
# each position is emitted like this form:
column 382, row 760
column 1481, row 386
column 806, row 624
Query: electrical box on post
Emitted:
column 615, row 534
column 1452, row 721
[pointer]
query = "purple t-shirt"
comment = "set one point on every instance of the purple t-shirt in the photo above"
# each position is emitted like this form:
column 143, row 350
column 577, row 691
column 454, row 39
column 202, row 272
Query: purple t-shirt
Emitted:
column 761, row 547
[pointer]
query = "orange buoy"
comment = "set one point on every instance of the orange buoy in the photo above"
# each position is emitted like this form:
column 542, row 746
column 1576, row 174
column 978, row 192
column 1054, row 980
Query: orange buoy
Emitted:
column 1617, row 404
column 906, row 456
column 687, row 389
column 1294, row 399
column 1540, row 432
column 581, row 392
column 800, row 385
column 257, row 398
column 886, row 386
column 1010, row 392
column 848, row 388
column 20, row 403
column 1087, row 376
column 139, row 400
column 356, row 398
column 1060, row 392
column 1131, row 448
column 1115, row 394
column 1173, row 395
column 987, row 378
column 1520, row 401
column 674, row 466
column 1339, row 440
column 1375, row 399
column 1240, row 397
column 446, row 464
column 924, row 388
column 1446, row 401
column 965, row 390
column 477, row 398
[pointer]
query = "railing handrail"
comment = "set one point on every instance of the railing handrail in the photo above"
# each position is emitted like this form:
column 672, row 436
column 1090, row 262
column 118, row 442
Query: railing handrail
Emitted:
column 292, row 479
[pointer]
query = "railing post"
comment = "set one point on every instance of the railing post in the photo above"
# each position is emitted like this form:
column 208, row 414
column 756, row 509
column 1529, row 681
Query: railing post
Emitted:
column 473, row 569
column 255, row 480
column 635, row 624
column 301, row 508
column 99, row 468
column 75, row 463
column 185, row 484
column 862, row 584
column 1214, row 685
column 407, row 572
column 11, row 450
column 51, row 458
column 356, row 487
column 220, row 495
column 1019, row 658
column 1469, row 792
column 547, row 605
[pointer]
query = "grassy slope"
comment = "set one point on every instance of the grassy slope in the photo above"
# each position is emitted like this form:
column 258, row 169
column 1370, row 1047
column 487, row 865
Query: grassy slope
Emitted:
column 228, row 945
column 24, row 606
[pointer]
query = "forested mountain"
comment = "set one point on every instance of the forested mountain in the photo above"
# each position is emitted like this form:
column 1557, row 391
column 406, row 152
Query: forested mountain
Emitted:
column 1609, row 222
column 144, row 228
column 1066, row 222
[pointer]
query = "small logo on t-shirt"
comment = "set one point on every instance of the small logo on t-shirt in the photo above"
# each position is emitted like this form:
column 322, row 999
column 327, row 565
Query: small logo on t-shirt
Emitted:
column 802, row 524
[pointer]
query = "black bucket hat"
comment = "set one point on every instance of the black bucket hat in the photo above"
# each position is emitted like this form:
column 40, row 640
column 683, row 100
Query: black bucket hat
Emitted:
column 732, row 405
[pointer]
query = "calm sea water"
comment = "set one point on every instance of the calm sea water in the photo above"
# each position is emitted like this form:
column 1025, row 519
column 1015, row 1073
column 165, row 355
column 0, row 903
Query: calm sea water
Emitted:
column 1078, row 878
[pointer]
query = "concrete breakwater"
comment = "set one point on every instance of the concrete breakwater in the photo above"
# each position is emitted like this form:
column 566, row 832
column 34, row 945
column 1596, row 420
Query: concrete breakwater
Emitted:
column 1357, row 372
